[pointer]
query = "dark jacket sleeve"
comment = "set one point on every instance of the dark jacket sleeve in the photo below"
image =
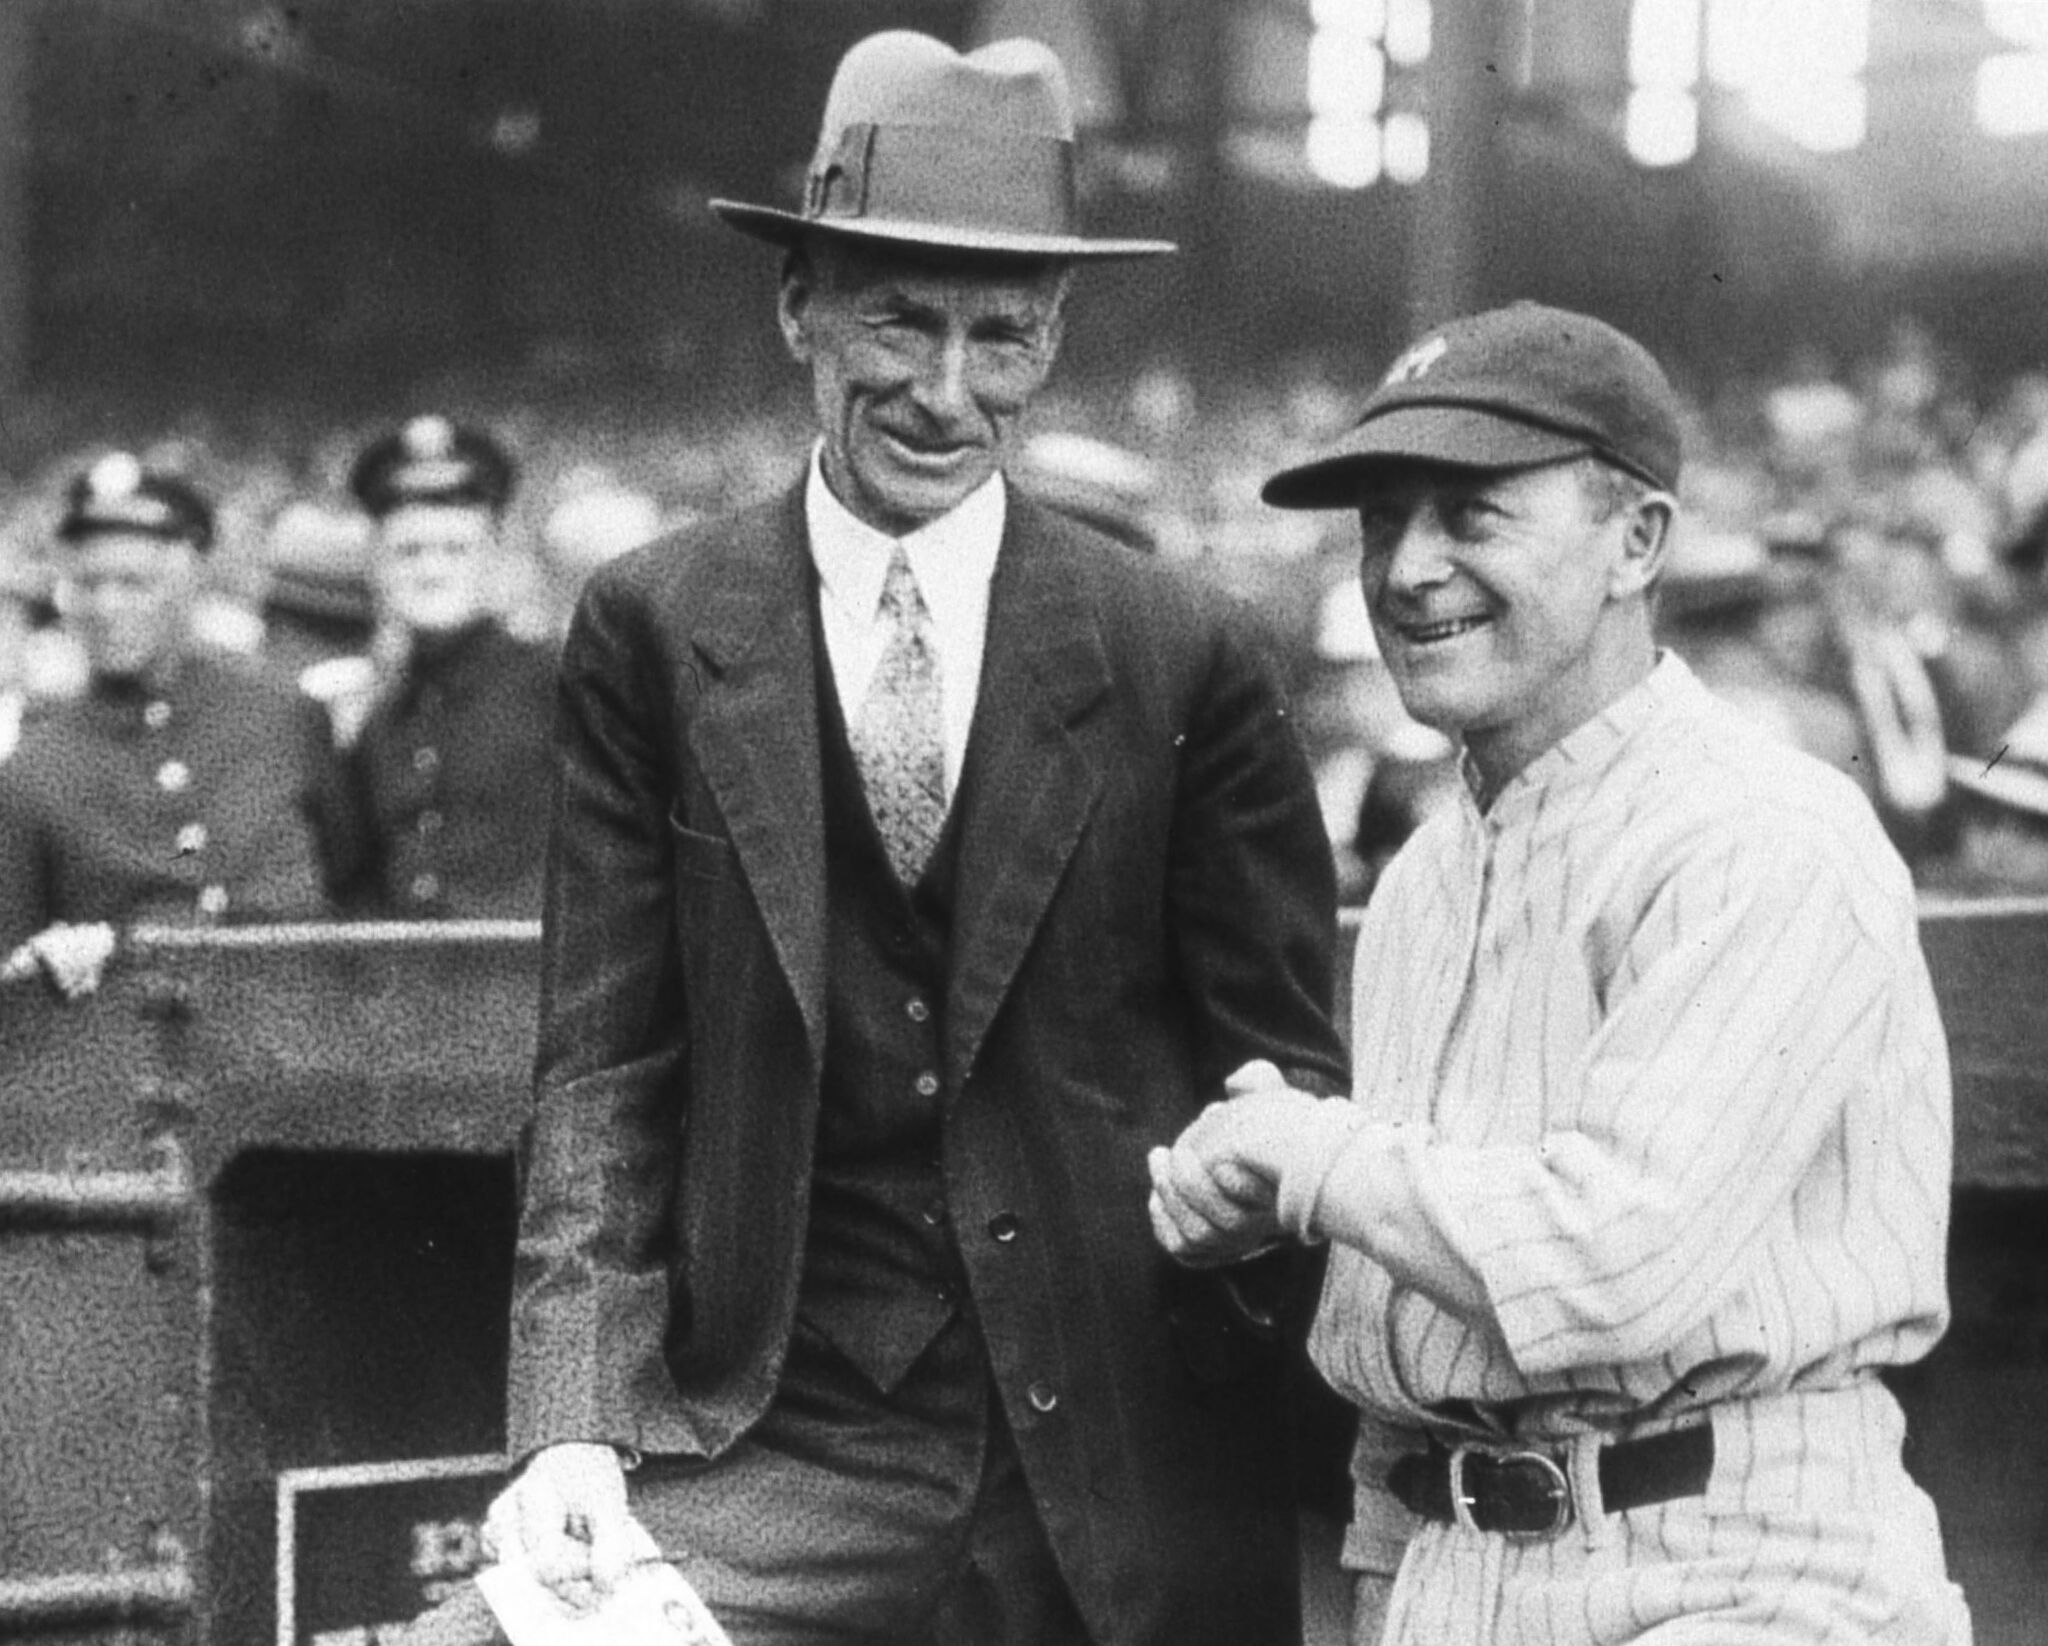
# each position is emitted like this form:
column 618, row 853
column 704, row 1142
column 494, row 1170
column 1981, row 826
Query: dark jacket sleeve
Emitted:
column 590, row 1279
column 1251, row 880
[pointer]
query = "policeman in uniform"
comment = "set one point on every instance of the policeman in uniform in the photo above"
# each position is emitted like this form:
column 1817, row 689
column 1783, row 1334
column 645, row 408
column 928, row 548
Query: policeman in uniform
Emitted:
column 452, row 768
column 181, row 786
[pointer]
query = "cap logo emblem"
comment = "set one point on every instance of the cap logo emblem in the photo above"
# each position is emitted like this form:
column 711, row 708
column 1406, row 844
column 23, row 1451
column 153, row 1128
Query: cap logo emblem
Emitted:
column 114, row 478
column 429, row 437
column 1416, row 362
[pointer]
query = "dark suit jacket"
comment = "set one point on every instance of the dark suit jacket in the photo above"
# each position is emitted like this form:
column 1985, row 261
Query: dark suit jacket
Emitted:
column 1145, row 902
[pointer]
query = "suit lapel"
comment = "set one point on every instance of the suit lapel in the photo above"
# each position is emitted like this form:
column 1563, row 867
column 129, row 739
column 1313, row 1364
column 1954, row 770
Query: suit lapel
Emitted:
column 1031, row 784
column 755, row 735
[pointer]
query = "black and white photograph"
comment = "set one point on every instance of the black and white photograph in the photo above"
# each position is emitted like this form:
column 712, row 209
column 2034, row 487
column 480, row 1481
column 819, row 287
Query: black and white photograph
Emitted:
column 1023, row 822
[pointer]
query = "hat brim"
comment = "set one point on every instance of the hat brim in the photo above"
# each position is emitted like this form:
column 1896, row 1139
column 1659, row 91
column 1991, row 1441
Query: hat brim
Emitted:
column 1462, row 437
column 2018, row 788
column 785, row 228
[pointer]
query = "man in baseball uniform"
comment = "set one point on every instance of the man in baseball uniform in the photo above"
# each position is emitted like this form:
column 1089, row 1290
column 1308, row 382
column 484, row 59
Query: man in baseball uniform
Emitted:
column 1646, row 1174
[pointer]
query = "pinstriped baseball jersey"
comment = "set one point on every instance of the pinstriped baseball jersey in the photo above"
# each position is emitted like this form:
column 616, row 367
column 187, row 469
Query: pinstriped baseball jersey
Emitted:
column 1653, row 1051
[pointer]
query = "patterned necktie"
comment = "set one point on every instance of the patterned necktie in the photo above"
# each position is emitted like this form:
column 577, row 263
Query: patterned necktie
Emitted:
column 897, row 741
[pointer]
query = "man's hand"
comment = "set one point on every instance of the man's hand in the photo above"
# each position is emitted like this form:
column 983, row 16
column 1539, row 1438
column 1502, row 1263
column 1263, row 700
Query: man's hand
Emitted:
column 1215, row 1192
column 565, row 1518
column 73, row 958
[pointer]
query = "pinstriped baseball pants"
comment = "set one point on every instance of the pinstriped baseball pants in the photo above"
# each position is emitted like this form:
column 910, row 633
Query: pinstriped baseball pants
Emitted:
column 1810, row 1531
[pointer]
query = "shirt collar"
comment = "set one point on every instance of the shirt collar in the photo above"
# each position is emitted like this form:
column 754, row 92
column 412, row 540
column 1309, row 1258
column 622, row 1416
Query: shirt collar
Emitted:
column 952, row 557
column 1583, row 754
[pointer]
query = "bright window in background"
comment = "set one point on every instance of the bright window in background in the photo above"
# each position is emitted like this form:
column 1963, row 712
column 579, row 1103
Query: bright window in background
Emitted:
column 1662, row 124
column 1354, row 137
column 1799, row 64
column 2012, row 88
column 2012, row 94
column 2023, row 22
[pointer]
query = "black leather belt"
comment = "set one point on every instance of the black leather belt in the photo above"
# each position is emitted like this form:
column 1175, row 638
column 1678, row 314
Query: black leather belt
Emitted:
column 1526, row 1492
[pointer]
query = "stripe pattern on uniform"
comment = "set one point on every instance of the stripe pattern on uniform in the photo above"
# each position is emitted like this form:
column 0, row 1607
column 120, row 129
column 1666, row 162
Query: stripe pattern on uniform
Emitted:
column 1654, row 1044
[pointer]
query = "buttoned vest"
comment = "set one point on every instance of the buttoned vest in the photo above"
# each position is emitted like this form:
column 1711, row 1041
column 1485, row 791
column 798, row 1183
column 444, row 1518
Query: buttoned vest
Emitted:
column 881, row 1275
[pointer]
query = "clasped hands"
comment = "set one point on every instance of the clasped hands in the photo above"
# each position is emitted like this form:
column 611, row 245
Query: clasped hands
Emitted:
column 1241, row 1177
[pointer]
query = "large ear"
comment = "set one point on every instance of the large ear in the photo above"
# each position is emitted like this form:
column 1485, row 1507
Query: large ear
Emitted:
column 793, row 302
column 1646, row 526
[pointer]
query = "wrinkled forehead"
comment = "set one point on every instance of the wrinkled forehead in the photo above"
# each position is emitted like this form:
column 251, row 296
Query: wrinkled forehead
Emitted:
column 938, row 277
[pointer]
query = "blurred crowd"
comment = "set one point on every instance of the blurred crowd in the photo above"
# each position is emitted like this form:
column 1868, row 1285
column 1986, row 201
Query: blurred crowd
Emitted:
column 1863, row 565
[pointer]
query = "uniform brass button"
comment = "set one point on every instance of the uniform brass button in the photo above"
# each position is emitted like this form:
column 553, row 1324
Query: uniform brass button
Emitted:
column 917, row 1011
column 157, row 715
column 425, row 760
column 927, row 1084
column 1043, row 1397
column 174, row 777
column 1005, row 1226
column 429, row 822
column 213, row 900
column 425, row 887
column 191, row 839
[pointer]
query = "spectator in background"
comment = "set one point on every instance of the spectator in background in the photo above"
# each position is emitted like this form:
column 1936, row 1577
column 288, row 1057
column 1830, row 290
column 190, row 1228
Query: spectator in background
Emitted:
column 21, row 592
column 319, row 612
column 181, row 786
column 595, row 522
column 451, row 769
column 2000, row 807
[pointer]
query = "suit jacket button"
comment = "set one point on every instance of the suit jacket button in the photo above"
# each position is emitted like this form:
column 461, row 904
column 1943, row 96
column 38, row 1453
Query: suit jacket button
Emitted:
column 1005, row 1226
column 1043, row 1397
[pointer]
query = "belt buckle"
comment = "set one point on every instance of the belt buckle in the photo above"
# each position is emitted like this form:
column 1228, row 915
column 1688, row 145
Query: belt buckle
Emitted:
column 1555, row 1481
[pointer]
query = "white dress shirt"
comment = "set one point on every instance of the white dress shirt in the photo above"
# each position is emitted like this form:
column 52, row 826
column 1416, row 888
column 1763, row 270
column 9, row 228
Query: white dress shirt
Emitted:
column 953, row 559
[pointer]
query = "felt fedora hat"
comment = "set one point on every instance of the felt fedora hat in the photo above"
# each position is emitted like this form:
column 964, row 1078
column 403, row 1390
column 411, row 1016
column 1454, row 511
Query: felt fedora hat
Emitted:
column 922, row 145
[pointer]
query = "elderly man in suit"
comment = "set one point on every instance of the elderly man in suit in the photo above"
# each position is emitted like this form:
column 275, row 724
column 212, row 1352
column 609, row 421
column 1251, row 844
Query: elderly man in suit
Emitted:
column 921, row 859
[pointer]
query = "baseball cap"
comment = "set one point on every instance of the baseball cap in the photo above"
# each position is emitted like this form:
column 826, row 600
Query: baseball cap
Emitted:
column 1509, row 388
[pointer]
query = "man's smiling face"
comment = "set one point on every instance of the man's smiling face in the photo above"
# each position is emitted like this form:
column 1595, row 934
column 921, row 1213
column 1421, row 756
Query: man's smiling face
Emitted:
column 920, row 368
column 1499, row 600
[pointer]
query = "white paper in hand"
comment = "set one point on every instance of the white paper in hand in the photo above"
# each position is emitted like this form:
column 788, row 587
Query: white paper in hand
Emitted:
column 653, row 1605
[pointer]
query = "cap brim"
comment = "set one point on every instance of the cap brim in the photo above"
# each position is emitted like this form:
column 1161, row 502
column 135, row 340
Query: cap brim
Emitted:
column 2020, row 788
column 1457, row 436
column 784, row 228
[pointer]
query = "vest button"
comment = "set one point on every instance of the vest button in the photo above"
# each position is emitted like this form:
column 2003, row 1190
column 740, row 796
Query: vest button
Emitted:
column 927, row 1084
column 1043, row 1397
column 425, row 887
column 1005, row 1226
column 917, row 1011
column 426, row 759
